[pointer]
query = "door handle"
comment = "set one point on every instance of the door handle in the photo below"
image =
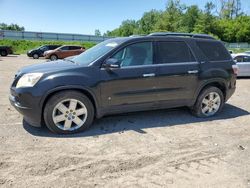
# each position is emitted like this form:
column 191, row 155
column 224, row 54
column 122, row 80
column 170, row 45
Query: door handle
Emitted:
column 193, row 71
column 149, row 75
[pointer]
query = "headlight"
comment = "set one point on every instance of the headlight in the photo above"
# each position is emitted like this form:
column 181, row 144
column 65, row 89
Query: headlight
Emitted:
column 28, row 80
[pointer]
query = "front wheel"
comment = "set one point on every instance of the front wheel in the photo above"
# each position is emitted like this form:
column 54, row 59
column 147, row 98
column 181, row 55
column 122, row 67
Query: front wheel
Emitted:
column 209, row 102
column 35, row 56
column 53, row 57
column 68, row 112
column 3, row 53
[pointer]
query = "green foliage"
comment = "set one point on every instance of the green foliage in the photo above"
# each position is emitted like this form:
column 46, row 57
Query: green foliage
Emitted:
column 22, row 46
column 97, row 32
column 13, row 27
column 229, row 24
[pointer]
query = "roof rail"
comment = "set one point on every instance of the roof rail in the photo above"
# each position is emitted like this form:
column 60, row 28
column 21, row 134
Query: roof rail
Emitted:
column 204, row 36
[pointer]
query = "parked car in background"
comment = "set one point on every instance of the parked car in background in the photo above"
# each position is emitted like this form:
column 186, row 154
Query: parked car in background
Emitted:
column 38, row 52
column 161, row 70
column 243, row 62
column 5, row 50
column 63, row 52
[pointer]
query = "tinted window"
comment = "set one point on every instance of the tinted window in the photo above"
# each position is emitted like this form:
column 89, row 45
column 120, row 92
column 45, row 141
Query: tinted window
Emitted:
column 246, row 59
column 65, row 48
column 214, row 51
column 239, row 59
column 74, row 47
column 44, row 48
column 53, row 47
column 173, row 52
column 135, row 54
column 242, row 58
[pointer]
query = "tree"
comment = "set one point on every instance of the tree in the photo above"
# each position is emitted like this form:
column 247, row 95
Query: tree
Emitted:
column 148, row 21
column 170, row 19
column 230, row 9
column 97, row 32
column 190, row 18
column 206, row 23
column 127, row 28
column 230, row 25
column 12, row 27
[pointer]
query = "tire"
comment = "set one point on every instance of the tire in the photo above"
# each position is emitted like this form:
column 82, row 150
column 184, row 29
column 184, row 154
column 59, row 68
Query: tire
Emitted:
column 3, row 53
column 209, row 102
column 53, row 57
column 66, row 120
column 35, row 56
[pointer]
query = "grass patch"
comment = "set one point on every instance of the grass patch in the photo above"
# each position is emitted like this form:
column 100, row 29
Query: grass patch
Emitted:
column 22, row 46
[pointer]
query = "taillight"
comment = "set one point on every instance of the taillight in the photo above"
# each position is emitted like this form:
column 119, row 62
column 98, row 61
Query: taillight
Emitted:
column 235, row 69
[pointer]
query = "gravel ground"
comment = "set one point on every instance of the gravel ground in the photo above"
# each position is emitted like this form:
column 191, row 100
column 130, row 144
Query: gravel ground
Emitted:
column 164, row 148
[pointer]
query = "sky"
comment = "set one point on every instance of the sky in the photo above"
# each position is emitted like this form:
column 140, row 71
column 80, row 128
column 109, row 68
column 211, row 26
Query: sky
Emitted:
column 81, row 16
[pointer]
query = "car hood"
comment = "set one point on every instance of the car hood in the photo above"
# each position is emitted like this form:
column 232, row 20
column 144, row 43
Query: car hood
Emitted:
column 48, row 51
column 48, row 67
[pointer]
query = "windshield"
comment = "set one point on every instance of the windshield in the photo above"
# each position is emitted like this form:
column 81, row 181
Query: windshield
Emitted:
column 97, row 51
column 43, row 48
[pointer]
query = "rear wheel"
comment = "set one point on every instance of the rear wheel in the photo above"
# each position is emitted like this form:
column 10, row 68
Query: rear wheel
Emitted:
column 68, row 112
column 35, row 56
column 3, row 53
column 53, row 57
column 209, row 102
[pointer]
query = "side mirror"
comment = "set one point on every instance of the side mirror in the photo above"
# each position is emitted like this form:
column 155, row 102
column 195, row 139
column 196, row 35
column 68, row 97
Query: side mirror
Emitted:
column 111, row 64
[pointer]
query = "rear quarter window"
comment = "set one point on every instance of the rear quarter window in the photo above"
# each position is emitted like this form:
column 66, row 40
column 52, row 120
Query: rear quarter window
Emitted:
column 214, row 50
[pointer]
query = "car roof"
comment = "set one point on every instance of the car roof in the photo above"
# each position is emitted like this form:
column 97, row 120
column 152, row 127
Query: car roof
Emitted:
column 162, row 35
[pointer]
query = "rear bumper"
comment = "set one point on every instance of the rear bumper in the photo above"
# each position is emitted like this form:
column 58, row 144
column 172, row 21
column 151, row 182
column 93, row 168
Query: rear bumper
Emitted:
column 230, row 92
column 31, row 114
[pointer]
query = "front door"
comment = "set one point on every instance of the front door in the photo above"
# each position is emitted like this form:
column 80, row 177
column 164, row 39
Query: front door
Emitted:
column 134, row 82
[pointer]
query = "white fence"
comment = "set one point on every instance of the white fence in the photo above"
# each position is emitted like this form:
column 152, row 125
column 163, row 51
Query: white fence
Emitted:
column 27, row 35
column 237, row 45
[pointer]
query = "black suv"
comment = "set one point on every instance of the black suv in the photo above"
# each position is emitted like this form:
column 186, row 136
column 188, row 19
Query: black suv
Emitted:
column 161, row 70
column 38, row 52
column 5, row 50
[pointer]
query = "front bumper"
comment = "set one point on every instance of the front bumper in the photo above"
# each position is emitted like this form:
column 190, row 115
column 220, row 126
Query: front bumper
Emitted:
column 31, row 113
column 29, row 54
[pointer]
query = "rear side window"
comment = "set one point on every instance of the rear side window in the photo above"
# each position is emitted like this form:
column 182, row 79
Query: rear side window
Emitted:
column 242, row 59
column 173, row 52
column 65, row 48
column 214, row 51
column 75, row 47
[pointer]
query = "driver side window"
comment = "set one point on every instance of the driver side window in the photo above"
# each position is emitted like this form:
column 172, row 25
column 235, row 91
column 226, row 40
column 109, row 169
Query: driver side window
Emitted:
column 135, row 54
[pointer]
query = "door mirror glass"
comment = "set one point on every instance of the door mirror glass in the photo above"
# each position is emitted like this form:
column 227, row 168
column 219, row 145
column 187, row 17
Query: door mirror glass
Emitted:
column 111, row 64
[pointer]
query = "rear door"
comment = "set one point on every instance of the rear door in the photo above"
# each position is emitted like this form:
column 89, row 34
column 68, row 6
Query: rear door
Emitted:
column 133, row 84
column 177, row 73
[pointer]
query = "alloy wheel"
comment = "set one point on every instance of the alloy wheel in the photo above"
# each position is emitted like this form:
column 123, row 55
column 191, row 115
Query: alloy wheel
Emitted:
column 70, row 114
column 211, row 104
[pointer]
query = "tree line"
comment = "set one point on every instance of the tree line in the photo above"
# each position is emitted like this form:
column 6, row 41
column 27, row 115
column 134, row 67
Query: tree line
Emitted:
column 228, row 22
column 12, row 27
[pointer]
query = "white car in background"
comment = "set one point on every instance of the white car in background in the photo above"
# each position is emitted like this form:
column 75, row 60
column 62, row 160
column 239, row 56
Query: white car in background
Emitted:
column 243, row 62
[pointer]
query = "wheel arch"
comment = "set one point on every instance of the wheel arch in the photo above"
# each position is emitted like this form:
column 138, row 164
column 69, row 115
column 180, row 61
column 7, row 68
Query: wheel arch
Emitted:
column 84, row 91
column 219, row 83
